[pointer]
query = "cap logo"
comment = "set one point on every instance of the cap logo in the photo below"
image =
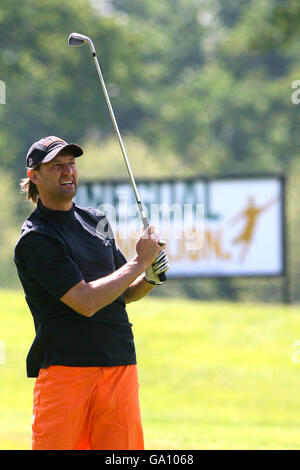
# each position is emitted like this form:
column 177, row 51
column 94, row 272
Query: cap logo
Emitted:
column 51, row 140
column 30, row 161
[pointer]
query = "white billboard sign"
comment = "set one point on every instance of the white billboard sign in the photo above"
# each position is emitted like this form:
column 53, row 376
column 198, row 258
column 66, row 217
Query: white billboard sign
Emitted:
column 213, row 227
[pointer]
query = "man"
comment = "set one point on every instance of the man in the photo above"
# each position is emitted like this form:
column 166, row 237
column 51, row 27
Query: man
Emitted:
column 77, row 283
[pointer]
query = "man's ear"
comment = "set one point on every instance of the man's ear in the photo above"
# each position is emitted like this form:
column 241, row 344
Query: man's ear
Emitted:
column 33, row 175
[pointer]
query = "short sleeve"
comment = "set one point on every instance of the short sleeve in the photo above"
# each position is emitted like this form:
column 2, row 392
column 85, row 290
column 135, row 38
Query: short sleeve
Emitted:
column 48, row 262
column 120, row 259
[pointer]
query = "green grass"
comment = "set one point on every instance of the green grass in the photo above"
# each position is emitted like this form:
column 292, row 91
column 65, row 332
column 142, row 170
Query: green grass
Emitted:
column 212, row 375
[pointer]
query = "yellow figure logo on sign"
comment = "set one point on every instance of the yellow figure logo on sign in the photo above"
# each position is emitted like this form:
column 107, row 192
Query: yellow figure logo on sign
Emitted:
column 250, row 214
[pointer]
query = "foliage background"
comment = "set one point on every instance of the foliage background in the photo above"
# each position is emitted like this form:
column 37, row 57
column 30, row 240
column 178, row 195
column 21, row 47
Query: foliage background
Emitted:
column 198, row 87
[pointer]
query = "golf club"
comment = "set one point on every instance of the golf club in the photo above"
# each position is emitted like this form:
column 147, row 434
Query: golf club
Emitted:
column 76, row 39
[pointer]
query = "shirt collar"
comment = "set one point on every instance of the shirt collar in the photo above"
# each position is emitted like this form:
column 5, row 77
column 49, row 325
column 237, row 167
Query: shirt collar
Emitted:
column 54, row 215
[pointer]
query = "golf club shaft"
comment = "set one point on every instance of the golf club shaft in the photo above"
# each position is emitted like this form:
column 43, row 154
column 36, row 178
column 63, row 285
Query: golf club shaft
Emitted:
column 81, row 38
column 111, row 112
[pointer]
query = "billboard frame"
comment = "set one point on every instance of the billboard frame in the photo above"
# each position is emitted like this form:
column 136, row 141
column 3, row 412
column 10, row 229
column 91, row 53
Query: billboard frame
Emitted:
column 206, row 178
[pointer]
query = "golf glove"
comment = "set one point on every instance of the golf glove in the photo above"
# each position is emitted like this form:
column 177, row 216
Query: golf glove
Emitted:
column 160, row 265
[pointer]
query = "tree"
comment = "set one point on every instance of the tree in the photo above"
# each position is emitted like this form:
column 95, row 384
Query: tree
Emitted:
column 52, row 89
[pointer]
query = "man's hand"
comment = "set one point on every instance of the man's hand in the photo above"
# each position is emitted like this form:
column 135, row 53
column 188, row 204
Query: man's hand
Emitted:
column 160, row 265
column 147, row 247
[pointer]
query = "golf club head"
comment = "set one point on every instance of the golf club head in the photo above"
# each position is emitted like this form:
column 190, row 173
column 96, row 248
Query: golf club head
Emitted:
column 76, row 39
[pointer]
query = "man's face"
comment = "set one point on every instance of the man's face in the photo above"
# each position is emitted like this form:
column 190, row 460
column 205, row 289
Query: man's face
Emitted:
column 57, row 179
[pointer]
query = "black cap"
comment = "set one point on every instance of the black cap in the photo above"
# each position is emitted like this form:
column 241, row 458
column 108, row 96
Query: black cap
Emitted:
column 47, row 148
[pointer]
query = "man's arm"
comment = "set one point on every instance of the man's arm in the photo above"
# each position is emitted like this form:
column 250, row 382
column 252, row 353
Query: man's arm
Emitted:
column 87, row 298
column 138, row 289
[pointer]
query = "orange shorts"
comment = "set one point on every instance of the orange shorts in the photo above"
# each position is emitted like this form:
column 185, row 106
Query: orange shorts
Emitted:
column 81, row 408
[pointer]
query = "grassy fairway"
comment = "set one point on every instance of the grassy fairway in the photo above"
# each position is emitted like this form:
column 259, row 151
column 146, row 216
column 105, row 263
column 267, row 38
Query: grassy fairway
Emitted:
column 212, row 375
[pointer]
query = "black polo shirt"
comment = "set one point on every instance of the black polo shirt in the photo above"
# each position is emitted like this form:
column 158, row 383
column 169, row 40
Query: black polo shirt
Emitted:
column 55, row 251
